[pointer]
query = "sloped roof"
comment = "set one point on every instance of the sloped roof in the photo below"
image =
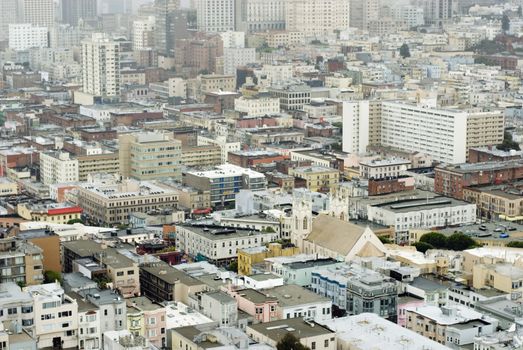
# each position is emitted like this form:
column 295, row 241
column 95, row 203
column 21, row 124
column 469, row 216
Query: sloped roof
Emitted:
column 334, row 234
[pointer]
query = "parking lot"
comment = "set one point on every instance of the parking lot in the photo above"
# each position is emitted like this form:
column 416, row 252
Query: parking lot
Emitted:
column 499, row 230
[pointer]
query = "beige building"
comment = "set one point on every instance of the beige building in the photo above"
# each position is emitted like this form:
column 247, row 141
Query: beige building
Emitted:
column 194, row 199
column 317, row 179
column 150, row 155
column 284, row 38
column 216, row 82
column 112, row 203
column 258, row 105
column 316, row 18
column 495, row 201
column 309, row 333
column 8, row 187
column 501, row 276
column 485, row 127
column 22, row 262
column 108, row 163
column 201, row 156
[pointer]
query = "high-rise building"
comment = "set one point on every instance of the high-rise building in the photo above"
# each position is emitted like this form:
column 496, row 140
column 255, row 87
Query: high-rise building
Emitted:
column 170, row 24
column 215, row 15
column 26, row 36
column 7, row 7
column 151, row 155
column 362, row 12
column 436, row 11
column 101, row 66
column 75, row 10
column 260, row 15
column 317, row 17
column 362, row 125
column 143, row 33
column 38, row 12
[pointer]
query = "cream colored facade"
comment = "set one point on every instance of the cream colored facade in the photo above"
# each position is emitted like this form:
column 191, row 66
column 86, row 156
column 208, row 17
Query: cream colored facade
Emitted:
column 504, row 277
column 101, row 66
column 485, row 128
column 221, row 141
column 257, row 106
column 318, row 179
column 8, row 187
column 316, row 18
column 284, row 38
column 58, row 167
column 201, row 156
column 494, row 202
column 108, row 163
column 194, row 199
column 215, row 82
column 149, row 155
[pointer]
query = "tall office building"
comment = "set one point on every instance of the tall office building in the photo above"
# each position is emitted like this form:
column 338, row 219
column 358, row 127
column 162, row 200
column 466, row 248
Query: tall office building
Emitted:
column 38, row 12
column 75, row 10
column 143, row 33
column 436, row 11
column 362, row 12
column 215, row 15
column 316, row 18
column 361, row 125
column 260, row 15
column 101, row 66
column 169, row 25
column 27, row 36
column 9, row 15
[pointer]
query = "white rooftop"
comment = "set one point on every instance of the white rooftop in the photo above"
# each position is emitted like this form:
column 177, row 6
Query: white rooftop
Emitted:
column 510, row 255
column 449, row 315
column 228, row 170
column 370, row 332
column 180, row 315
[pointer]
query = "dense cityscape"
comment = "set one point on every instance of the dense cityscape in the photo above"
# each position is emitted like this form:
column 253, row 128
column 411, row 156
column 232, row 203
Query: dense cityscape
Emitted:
column 261, row 174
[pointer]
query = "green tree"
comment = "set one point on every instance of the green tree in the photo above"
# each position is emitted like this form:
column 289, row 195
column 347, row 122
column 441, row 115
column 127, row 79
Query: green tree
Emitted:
column 384, row 240
column 404, row 50
column 505, row 23
column 422, row 246
column 233, row 266
column 52, row 276
column 74, row 221
column 435, row 239
column 515, row 244
column 290, row 342
column 460, row 241
column 508, row 143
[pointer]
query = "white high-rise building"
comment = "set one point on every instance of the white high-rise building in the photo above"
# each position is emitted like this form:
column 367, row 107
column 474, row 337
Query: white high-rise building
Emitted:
column 237, row 57
column 38, row 12
column 101, row 66
column 143, row 33
column 260, row 15
column 215, row 15
column 9, row 11
column 58, row 167
column 362, row 12
column 316, row 18
column 233, row 39
column 355, row 126
column 436, row 132
column 26, row 36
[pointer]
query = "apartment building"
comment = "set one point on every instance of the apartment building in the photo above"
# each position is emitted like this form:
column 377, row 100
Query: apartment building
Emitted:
column 58, row 167
column 219, row 245
column 105, row 162
column 215, row 15
column 383, row 168
column 225, row 182
column 217, row 82
column 361, row 12
column 89, row 323
column 316, row 178
column 260, row 15
column 453, row 326
column 485, row 127
column 317, row 18
column 8, row 187
column 143, row 33
column 234, row 57
column 218, row 306
column 250, row 256
column 112, row 203
column 292, row 96
column 17, row 307
column 112, row 308
column 147, row 319
column 27, row 36
column 149, row 155
column 284, row 38
column 504, row 277
column 259, row 105
column 20, row 262
column 55, row 316
column 201, row 156
column 55, row 213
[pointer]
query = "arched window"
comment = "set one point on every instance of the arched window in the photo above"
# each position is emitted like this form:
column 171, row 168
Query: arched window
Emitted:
column 305, row 222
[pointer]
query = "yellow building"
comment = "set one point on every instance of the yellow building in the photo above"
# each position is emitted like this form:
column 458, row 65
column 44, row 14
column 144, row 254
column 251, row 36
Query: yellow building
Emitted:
column 201, row 156
column 55, row 213
column 495, row 201
column 251, row 256
column 317, row 179
column 108, row 163
column 504, row 277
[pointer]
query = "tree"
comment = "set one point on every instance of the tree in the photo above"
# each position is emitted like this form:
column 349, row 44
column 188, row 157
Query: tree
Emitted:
column 404, row 50
column 290, row 342
column 435, row 239
column 233, row 266
column 74, row 221
column 508, row 143
column 459, row 241
column 515, row 244
column 505, row 23
column 52, row 276
column 422, row 246
column 384, row 240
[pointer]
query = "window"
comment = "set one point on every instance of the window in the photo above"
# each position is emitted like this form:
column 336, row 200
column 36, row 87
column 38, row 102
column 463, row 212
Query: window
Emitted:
column 130, row 272
column 313, row 345
column 326, row 345
column 12, row 311
column 119, row 274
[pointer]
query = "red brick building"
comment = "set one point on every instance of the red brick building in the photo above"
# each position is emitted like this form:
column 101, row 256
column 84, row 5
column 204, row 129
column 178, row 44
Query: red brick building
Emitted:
column 249, row 159
column 492, row 154
column 394, row 185
column 450, row 180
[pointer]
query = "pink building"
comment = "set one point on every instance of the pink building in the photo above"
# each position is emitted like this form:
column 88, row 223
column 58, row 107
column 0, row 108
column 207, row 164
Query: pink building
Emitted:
column 147, row 319
column 405, row 302
column 260, row 306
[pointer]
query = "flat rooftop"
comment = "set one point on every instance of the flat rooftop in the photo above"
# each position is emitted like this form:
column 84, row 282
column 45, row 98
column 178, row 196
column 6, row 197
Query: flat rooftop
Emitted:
column 293, row 295
column 275, row 330
column 409, row 205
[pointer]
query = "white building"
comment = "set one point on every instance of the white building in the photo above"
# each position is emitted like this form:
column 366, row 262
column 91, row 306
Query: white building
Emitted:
column 317, row 18
column 232, row 39
column 355, row 126
column 124, row 340
column 296, row 301
column 237, row 57
column 7, row 6
column 27, row 36
column 58, row 167
column 55, row 316
column 215, row 15
column 38, row 12
column 101, row 66
column 411, row 15
column 89, row 327
column 257, row 106
column 379, row 169
column 143, row 33
column 17, row 306
column 225, row 145
column 440, row 133
column 422, row 214
column 260, row 15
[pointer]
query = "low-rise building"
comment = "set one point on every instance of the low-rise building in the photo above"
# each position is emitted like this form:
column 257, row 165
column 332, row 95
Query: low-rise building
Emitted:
column 21, row 261
column 317, row 179
column 146, row 318
column 219, row 306
column 201, row 156
column 59, row 213
column 250, row 256
column 379, row 169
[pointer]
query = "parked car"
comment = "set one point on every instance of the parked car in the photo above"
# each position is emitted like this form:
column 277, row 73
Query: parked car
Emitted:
column 504, row 235
column 483, row 227
column 511, row 228
column 499, row 229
